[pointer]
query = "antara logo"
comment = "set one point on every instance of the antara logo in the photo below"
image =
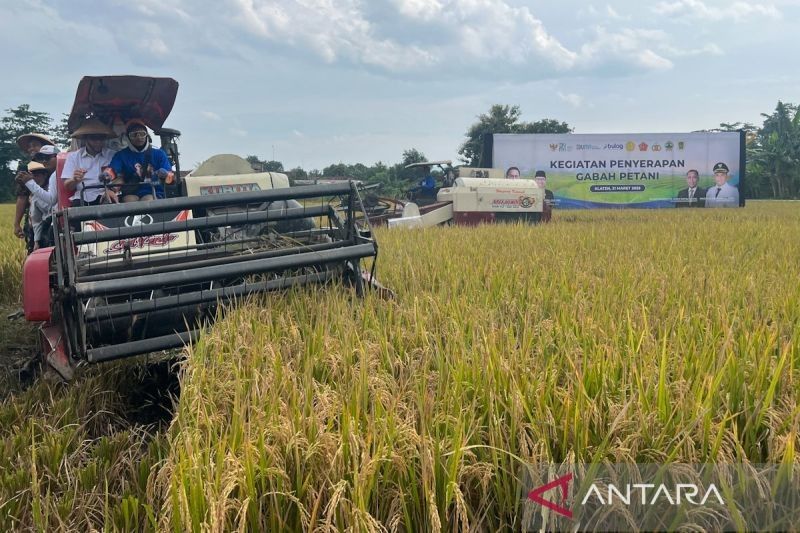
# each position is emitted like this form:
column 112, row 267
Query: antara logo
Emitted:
column 564, row 482
column 652, row 494
column 609, row 495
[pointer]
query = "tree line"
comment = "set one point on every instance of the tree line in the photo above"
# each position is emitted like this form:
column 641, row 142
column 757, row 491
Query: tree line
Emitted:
column 773, row 150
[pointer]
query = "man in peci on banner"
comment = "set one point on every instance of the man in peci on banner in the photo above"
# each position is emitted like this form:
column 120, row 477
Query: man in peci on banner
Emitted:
column 549, row 198
column 722, row 194
column 692, row 195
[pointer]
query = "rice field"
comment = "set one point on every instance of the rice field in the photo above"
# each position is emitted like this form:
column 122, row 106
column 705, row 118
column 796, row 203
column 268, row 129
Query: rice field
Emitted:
column 617, row 336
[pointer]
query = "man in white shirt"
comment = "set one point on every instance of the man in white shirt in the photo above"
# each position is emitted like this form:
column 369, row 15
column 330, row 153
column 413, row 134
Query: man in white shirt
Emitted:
column 722, row 194
column 83, row 167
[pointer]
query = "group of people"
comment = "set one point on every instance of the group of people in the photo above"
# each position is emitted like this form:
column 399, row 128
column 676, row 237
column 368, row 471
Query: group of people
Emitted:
column 722, row 194
column 92, row 174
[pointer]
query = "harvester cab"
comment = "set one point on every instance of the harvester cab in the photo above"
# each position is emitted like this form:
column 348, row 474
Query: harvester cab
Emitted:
column 147, row 276
column 434, row 175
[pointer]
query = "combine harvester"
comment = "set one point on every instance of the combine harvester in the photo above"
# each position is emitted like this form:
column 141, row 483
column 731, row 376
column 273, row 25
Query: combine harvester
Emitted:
column 472, row 196
column 148, row 276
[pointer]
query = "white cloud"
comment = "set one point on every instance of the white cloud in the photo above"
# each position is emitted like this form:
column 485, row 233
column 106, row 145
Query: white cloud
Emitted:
column 625, row 48
column 423, row 39
column 697, row 9
column 614, row 15
column 710, row 49
column 419, row 9
column 572, row 99
column 210, row 115
column 238, row 132
column 466, row 38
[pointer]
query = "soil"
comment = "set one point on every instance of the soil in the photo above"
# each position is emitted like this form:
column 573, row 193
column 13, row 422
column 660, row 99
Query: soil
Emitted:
column 18, row 351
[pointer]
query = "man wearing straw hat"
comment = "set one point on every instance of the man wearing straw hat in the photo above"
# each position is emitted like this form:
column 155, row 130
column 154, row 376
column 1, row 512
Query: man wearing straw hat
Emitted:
column 84, row 166
column 30, row 144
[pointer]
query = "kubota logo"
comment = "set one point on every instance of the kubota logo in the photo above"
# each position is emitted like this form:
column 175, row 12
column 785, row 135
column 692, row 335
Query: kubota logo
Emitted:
column 536, row 495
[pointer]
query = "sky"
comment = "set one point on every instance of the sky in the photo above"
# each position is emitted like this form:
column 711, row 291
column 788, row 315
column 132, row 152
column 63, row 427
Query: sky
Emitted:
column 316, row 82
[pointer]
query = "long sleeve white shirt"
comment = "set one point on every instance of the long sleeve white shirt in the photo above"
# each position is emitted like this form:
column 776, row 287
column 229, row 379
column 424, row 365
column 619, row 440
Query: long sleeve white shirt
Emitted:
column 42, row 203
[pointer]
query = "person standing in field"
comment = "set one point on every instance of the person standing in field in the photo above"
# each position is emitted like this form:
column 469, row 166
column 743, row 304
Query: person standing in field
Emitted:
column 722, row 194
column 30, row 144
column 692, row 195
column 41, row 182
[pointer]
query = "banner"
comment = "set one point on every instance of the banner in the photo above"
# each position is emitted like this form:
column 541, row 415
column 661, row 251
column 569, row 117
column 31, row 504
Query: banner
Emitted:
column 647, row 170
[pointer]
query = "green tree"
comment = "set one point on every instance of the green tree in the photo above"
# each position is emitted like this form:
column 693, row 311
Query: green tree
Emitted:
column 336, row 170
column 264, row 166
column 775, row 157
column 60, row 132
column 546, row 125
column 499, row 119
column 16, row 122
column 403, row 177
column 297, row 173
column 503, row 119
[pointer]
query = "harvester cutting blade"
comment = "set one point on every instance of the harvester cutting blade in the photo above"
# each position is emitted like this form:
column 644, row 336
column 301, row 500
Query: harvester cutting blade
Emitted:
column 148, row 276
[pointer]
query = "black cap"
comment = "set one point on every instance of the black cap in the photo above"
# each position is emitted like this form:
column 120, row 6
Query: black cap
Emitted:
column 539, row 174
column 721, row 167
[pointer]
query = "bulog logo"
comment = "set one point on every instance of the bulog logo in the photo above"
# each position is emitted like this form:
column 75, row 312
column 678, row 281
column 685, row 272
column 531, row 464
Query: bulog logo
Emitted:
column 138, row 220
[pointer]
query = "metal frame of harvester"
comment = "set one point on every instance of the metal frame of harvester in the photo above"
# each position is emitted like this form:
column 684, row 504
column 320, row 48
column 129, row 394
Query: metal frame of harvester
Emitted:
column 148, row 276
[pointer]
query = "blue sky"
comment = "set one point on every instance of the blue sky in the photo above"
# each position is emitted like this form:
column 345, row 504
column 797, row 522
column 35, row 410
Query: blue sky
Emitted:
column 328, row 81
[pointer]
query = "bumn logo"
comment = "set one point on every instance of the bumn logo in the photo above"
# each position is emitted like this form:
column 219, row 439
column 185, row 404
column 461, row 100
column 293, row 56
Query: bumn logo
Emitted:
column 536, row 495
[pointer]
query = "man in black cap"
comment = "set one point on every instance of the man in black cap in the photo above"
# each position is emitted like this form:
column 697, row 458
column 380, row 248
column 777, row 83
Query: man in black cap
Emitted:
column 692, row 195
column 722, row 194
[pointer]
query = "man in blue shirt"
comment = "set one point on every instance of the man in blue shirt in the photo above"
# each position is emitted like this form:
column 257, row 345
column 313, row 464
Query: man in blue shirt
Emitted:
column 140, row 165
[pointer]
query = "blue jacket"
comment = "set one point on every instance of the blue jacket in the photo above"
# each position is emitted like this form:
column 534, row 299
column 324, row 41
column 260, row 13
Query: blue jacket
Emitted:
column 131, row 164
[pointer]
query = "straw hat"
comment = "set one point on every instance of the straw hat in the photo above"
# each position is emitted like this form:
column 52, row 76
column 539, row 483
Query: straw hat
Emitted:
column 93, row 126
column 33, row 166
column 23, row 140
